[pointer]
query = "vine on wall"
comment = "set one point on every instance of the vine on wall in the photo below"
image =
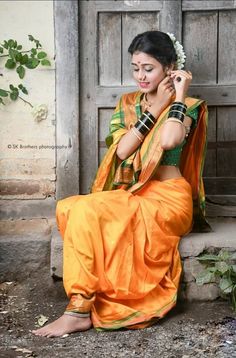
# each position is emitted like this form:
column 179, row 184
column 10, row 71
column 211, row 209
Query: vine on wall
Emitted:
column 20, row 60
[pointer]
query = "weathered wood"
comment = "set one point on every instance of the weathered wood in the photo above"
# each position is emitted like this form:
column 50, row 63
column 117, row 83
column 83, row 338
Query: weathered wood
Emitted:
column 226, row 132
column 109, row 27
column 210, row 161
column 222, row 199
column 128, row 5
column 67, row 94
column 88, row 120
column 104, row 118
column 213, row 210
column 227, row 47
column 215, row 96
column 220, row 186
column 171, row 18
column 132, row 25
column 199, row 5
column 199, row 39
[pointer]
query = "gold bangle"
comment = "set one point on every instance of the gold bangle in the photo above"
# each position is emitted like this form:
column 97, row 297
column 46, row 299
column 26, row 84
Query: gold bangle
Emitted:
column 146, row 115
column 174, row 120
column 136, row 134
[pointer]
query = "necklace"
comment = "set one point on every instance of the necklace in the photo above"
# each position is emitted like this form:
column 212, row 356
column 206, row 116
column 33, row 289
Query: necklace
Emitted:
column 146, row 103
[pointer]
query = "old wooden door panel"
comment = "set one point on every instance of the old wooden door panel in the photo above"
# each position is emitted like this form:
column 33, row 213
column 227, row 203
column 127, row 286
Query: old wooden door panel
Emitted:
column 107, row 28
column 207, row 29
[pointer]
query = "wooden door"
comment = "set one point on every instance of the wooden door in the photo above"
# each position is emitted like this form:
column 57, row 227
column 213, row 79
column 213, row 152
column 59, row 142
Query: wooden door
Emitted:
column 207, row 30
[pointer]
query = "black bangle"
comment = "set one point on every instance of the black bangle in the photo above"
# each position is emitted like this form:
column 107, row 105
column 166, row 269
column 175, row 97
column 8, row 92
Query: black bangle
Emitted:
column 180, row 103
column 176, row 114
column 145, row 123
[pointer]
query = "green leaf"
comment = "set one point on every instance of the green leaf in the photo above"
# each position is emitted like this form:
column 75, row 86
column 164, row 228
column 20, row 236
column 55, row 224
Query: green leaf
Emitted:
column 233, row 256
column 5, row 45
column 226, row 285
column 11, row 43
column 24, row 59
column 222, row 267
column 3, row 93
column 18, row 56
column 41, row 55
column 14, row 95
column 32, row 63
column 10, row 64
column 30, row 37
column 23, row 89
column 12, row 88
column 38, row 44
column 34, row 51
column 223, row 255
column 21, row 71
column 19, row 47
column 13, row 53
column 1, row 49
column 204, row 277
column 45, row 62
column 208, row 258
column 1, row 101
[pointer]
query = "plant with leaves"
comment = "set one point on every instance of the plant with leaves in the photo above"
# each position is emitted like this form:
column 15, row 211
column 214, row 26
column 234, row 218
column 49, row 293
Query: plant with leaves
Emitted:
column 220, row 268
column 19, row 60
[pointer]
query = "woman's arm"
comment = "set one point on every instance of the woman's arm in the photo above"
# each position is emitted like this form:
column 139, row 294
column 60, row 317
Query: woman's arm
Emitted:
column 132, row 139
column 173, row 133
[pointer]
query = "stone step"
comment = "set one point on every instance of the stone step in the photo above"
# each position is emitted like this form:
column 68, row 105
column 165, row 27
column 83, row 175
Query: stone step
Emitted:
column 223, row 235
column 24, row 248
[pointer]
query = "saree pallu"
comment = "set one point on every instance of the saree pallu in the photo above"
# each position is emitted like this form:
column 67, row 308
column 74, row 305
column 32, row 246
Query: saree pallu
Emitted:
column 124, row 249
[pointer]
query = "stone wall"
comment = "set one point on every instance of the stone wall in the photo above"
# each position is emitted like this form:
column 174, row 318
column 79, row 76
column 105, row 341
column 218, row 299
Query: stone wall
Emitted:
column 27, row 162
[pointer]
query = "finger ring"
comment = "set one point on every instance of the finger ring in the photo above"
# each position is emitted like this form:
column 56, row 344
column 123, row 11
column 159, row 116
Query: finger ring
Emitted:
column 178, row 79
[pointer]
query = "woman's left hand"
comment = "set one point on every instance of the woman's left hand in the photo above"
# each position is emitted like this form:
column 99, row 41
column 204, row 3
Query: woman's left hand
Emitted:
column 181, row 81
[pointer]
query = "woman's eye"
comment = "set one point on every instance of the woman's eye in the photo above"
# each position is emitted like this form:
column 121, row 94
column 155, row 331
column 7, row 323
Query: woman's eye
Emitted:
column 148, row 69
column 135, row 69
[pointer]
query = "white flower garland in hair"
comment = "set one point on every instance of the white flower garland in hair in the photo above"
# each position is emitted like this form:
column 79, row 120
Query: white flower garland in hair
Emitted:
column 179, row 51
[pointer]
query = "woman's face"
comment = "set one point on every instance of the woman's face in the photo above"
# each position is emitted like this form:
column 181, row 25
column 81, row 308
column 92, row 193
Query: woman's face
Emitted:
column 147, row 72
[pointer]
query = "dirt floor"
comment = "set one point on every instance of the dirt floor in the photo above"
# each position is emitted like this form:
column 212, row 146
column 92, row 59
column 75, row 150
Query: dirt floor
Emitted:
column 190, row 330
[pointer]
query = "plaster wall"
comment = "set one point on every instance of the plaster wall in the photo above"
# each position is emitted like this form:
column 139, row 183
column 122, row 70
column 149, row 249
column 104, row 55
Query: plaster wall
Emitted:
column 27, row 147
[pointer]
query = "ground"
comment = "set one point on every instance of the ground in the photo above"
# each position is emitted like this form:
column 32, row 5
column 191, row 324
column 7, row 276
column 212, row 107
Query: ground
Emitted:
column 193, row 329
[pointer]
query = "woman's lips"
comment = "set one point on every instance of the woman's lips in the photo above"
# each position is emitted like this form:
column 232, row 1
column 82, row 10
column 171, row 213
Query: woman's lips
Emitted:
column 143, row 84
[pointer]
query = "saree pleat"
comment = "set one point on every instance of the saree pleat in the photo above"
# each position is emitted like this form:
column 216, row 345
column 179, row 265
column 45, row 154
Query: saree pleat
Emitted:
column 124, row 248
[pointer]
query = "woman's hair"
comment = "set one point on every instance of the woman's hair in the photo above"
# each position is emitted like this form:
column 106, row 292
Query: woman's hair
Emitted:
column 156, row 44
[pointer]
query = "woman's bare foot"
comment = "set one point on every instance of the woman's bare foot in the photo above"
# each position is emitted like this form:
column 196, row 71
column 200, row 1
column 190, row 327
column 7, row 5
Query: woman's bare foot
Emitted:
column 64, row 324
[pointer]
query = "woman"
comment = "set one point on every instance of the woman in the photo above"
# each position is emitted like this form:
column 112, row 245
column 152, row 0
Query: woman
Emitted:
column 121, row 261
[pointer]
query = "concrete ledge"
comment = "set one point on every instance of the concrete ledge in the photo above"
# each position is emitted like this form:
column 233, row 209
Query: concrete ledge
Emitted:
column 24, row 248
column 223, row 235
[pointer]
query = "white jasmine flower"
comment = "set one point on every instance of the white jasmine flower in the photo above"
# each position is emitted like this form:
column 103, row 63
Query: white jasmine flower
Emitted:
column 179, row 51
column 40, row 112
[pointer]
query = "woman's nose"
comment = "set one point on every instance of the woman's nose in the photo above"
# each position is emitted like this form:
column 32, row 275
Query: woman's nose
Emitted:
column 141, row 75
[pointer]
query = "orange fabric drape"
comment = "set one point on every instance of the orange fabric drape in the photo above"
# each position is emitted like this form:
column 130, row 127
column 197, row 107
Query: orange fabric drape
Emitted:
column 124, row 249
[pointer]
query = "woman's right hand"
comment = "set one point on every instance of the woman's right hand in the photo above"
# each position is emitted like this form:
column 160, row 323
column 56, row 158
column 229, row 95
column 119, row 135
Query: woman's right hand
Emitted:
column 165, row 92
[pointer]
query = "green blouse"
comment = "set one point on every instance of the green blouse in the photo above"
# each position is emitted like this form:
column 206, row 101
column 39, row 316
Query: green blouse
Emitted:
column 172, row 156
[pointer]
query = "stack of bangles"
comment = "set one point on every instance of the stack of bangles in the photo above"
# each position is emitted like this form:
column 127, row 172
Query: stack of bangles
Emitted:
column 147, row 120
column 144, row 125
column 177, row 112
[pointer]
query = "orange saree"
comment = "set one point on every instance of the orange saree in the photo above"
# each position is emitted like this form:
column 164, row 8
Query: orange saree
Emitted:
column 121, row 259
